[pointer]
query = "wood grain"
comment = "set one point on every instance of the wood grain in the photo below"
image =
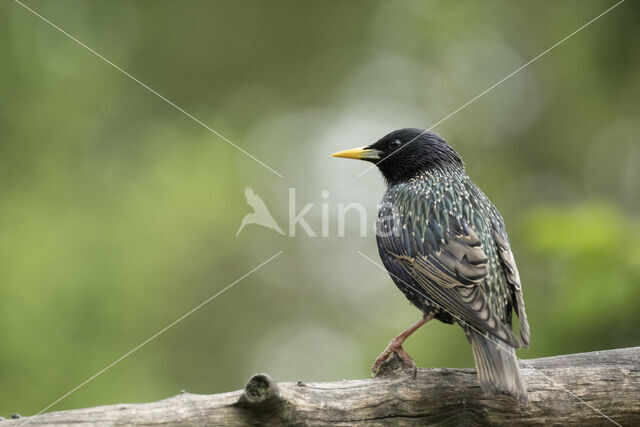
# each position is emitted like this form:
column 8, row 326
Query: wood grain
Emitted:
column 561, row 389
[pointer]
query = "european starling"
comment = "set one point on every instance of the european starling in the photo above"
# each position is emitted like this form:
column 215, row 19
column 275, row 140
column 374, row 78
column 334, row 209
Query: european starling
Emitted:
column 446, row 248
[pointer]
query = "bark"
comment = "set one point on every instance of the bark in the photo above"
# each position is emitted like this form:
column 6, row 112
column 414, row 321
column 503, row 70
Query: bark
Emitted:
column 578, row 389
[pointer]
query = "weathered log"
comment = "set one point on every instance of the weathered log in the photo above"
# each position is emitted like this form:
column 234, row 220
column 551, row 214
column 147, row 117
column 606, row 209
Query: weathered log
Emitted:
column 599, row 388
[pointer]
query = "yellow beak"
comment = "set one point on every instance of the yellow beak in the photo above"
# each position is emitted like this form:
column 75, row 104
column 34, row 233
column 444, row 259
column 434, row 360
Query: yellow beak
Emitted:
column 363, row 153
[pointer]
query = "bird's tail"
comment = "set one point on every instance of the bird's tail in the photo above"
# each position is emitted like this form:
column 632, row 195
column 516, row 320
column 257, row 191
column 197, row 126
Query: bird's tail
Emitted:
column 497, row 366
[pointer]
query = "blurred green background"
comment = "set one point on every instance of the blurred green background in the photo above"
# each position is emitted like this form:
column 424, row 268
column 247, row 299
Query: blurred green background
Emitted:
column 118, row 213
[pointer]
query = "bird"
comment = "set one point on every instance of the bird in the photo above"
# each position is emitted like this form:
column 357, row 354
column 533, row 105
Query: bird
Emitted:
column 260, row 215
column 445, row 246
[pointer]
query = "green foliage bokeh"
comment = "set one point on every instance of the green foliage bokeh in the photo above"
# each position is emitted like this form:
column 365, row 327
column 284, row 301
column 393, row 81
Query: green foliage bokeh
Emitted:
column 118, row 213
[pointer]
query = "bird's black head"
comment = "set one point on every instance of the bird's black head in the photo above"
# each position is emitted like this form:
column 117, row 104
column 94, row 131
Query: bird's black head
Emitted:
column 404, row 153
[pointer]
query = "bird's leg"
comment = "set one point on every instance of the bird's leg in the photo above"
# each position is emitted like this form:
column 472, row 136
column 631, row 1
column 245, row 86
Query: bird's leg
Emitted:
column 395, row 346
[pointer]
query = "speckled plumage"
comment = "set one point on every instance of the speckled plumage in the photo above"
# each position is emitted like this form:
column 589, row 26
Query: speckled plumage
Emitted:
column 420, row 213
column 446, row 248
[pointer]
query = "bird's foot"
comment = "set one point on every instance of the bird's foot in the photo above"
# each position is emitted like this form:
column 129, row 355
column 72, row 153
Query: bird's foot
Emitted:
column 393, row 360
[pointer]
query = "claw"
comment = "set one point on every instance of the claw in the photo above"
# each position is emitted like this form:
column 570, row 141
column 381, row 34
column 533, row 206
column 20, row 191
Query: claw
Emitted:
column 393, row 360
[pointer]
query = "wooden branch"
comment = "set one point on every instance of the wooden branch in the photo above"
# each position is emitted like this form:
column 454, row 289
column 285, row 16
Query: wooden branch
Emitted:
column 564, row 390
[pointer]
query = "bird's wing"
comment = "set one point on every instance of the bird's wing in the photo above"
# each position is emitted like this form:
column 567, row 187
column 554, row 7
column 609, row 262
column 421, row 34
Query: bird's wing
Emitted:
column 450, row 273
column 255, row 201
column 251, row 197
column 513, row 277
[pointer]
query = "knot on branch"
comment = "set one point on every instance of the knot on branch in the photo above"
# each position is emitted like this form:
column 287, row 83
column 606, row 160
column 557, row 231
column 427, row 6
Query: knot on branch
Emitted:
column 260, row 392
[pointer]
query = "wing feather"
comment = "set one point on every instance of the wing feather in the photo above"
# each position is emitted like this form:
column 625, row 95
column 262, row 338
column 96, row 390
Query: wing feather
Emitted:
column 513, row 277
column 451, row 277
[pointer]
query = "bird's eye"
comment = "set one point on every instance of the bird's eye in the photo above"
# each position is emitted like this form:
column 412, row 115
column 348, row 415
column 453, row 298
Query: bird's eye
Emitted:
column 394, row 144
